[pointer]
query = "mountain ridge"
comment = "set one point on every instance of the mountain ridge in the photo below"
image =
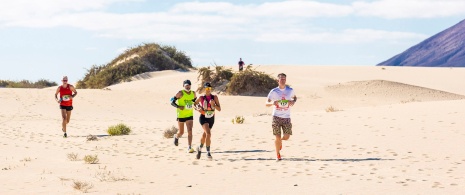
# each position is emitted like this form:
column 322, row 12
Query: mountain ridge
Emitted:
column 444, row 49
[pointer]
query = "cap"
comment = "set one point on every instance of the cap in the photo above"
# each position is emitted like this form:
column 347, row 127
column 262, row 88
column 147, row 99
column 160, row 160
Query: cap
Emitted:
column 186, row 82
column 65, row 78
column 207, row 84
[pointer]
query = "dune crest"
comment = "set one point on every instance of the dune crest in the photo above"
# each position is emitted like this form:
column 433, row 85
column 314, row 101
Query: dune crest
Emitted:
column 390, row 90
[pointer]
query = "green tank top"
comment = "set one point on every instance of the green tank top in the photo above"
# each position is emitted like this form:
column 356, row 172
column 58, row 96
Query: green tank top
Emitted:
column 186, row 101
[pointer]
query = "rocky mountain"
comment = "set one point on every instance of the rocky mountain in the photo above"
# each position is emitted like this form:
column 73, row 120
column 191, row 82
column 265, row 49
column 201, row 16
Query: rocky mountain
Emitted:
column 445, row 49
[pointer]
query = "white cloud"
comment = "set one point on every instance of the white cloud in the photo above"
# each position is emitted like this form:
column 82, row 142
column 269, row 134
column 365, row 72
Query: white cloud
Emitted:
column 395, row 9
column 274, row 9
column 286, row 21
column 345, row 36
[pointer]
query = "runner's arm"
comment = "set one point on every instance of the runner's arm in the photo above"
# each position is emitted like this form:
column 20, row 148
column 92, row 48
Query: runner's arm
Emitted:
column 294, row 99
column 174, row 98
column 196, row 104
column 73, row 90
column 56, row 94
column 217, row 103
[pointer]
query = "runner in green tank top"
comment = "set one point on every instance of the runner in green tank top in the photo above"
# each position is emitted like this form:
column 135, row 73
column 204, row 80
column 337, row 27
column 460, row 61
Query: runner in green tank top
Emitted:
column 183, row 101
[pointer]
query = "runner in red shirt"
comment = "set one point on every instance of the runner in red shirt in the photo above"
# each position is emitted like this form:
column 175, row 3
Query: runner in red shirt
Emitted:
column 66, row 102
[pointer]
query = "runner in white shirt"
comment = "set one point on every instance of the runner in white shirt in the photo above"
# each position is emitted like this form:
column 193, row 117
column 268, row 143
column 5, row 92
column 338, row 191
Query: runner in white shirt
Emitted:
column 283, row 98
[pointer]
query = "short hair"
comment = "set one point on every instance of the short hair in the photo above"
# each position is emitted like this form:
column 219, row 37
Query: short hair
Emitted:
column 282, row 74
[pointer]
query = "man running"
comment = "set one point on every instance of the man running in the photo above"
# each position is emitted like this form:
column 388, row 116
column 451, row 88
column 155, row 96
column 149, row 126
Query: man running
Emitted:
column 282, row 97
column 67, row 93
column 185, row 113
column 208, row 104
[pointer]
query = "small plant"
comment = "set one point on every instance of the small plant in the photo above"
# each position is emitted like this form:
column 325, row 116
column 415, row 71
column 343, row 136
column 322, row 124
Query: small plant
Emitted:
column 28, row 159
column 73, row 156
column 332, row 109
column 169, row 132
column 92, row 138
column 238, row 120
column 82, row 186
column 119, row 129
column 109, row 176
column 91, row 159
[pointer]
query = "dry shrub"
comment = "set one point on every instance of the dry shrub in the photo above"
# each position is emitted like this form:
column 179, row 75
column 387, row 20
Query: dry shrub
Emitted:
column 332, row 109
column 251, row 82
column 91, row 159
column 217, row 76
column 238, row 120
column 109, row 176
column 247, row 82
column 169, row 132
column 119, row 129
column 73, row 156
column 82, row 186
column 92, row 138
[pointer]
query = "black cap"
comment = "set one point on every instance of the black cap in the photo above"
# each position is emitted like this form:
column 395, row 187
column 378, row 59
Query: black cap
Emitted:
column 186, row 82
column 207, row 84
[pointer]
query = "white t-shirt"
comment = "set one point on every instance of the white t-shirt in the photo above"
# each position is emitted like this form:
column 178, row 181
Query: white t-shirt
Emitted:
column 283, row 96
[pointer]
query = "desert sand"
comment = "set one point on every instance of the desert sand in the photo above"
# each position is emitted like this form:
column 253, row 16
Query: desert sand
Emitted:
column 394, row 130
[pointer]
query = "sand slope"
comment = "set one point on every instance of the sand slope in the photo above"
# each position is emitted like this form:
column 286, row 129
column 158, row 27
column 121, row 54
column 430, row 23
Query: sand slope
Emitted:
column 380, row 145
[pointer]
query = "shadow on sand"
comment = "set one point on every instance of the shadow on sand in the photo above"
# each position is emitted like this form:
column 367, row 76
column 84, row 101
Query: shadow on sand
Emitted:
column 243, row 151
column 310, row 160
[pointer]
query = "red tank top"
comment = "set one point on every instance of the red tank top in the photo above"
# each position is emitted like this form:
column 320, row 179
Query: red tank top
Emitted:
column 65, row 96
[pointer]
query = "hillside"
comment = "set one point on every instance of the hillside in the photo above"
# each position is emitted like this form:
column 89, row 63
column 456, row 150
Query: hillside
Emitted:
column 445, row 49
column 144, row 58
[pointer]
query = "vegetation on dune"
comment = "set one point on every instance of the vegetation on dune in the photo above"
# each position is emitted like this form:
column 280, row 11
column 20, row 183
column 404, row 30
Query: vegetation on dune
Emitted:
column 42, row 83
column 119, row 129
column 246, row 82
column 140, row 59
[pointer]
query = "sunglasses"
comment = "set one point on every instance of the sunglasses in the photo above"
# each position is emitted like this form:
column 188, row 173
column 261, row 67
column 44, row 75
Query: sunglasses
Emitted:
column 208, row 88
column 65, row 80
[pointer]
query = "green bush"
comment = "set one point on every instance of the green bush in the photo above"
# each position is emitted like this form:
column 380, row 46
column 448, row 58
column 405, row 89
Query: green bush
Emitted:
column 41, row 83
column 91, row 159
column 119, row 129
column 144, row 58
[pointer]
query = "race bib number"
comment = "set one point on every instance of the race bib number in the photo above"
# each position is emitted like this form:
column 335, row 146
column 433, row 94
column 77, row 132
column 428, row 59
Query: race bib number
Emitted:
column 66, row 98
column 188, row 106
column 283, row 104
column 209, row 114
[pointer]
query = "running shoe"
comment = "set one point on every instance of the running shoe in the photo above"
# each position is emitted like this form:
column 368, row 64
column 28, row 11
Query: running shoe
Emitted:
column 209, row 156
column 175, row 141
column 190, row 150
column 65, row 135
column 278, row 158
column 198, row 153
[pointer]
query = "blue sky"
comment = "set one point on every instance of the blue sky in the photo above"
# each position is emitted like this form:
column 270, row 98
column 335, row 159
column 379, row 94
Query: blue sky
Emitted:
column 50, row 38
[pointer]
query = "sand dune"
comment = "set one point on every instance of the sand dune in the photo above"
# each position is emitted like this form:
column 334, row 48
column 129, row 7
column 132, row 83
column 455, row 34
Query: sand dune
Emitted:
column 389, row 91
column 376, row 144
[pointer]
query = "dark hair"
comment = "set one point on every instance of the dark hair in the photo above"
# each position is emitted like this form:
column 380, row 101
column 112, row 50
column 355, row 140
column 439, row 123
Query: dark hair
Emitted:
column 282, row 74
column 186, row 82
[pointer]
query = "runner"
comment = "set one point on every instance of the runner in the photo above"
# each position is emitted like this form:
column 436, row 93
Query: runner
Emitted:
column 241, row 64
column 208, row 104
column 282, row 97
column 185, row 113
column 66, row 102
